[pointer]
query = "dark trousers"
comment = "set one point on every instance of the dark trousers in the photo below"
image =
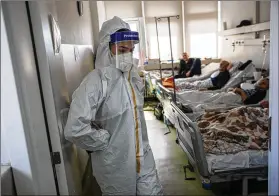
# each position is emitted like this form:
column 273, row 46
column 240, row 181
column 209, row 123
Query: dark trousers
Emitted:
column 180, row 76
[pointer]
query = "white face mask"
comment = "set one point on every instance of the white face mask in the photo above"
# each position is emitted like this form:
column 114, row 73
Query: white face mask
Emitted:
column 124, row 62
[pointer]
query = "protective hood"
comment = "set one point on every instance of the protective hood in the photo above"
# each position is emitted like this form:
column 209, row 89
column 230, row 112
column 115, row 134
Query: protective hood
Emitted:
column 103, row 56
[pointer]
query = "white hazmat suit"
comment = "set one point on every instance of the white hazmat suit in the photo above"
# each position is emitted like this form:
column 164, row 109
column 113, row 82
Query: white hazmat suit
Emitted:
column 106, row 117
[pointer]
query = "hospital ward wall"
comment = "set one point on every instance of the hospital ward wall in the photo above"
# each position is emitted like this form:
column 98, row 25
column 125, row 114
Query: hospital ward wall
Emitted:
column 123, row 9
column 233, row 12
column 61, row 73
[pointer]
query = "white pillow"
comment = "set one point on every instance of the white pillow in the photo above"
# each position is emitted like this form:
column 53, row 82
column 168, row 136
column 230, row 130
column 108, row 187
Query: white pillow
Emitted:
column 247, row 86
column 235, row 66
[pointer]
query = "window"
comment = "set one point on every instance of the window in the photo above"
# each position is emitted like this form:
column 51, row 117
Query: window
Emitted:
column 202, row 37
column 135, row 27
column 203, row 45
column 164, row 41
column 136, row 24
column 201, row 26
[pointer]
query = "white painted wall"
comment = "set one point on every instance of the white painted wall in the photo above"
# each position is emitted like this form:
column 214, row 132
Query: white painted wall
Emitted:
column 123, row 9
column 264, row 11
column 101, row 10
column 233, row 12
column 74, row 29
column 162, row 8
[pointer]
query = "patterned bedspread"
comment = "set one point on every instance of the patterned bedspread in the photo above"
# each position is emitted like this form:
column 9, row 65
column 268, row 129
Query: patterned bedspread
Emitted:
column 193, row 85
column 235, row 130
column 186, row 86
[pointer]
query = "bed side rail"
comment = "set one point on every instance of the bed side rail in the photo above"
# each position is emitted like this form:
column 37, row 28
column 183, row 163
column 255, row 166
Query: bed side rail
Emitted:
column 221, row 109
column 166, row 93
column 196, row 142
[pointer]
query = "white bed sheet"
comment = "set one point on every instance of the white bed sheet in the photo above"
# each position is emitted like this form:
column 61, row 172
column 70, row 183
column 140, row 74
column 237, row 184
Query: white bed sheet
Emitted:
column 236, row 78
column 206, row 73
column 165, row 73
column 244, row 159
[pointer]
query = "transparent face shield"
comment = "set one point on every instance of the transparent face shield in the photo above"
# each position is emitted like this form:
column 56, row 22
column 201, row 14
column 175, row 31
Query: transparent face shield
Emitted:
column 124, row 49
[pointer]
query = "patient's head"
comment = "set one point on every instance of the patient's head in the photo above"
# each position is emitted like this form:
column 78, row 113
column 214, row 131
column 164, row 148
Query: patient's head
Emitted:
column 185, row 56
column 223, row 65
column 263, row 83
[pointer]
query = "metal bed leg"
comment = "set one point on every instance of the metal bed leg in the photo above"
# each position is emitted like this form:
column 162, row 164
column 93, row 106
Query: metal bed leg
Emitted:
column 166, row 123
column 245, row 186
column 185, row 172
column 169, row 131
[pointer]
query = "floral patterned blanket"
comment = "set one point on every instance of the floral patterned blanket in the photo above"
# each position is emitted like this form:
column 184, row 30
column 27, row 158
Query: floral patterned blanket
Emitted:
column 235, row 130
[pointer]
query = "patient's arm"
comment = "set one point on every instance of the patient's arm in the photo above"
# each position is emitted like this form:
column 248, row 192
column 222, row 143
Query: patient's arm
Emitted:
column 241, row 93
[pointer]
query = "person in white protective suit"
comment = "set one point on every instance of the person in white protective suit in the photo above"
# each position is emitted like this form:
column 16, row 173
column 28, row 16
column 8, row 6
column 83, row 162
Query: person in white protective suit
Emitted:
column 106, row 117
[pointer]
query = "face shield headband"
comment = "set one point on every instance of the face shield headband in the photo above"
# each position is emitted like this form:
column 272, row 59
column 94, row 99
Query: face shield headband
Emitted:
column 124, row 36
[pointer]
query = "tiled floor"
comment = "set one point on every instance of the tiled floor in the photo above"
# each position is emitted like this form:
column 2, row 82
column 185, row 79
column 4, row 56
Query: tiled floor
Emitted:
column 170, row 160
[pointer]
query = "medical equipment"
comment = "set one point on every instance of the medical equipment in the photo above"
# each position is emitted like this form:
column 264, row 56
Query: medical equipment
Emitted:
column 159, row 19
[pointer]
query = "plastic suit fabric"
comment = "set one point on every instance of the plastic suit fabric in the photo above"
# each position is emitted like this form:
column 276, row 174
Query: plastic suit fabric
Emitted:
column 122, row 159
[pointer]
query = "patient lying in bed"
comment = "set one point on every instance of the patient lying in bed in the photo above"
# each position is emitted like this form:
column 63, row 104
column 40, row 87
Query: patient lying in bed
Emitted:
column 236, row 96
column 217, row 81
column 253, row 96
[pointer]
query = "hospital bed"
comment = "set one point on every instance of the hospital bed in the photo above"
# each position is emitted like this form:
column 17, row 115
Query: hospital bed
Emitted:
column 152, row 80
column 166, row 95
column 214, row 168
column 152, row 77
column 237, row 77
column 206, row 71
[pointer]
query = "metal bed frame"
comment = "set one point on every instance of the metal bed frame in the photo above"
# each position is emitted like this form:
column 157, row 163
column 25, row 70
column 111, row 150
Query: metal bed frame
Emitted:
column 190, row 140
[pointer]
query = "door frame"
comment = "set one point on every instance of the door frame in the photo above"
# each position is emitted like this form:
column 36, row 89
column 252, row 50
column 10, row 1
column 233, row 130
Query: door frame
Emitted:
column 273, row 94
column 29, row 148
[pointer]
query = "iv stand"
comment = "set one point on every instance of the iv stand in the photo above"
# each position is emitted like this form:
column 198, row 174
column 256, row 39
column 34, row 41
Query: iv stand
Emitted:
column 156, row 20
